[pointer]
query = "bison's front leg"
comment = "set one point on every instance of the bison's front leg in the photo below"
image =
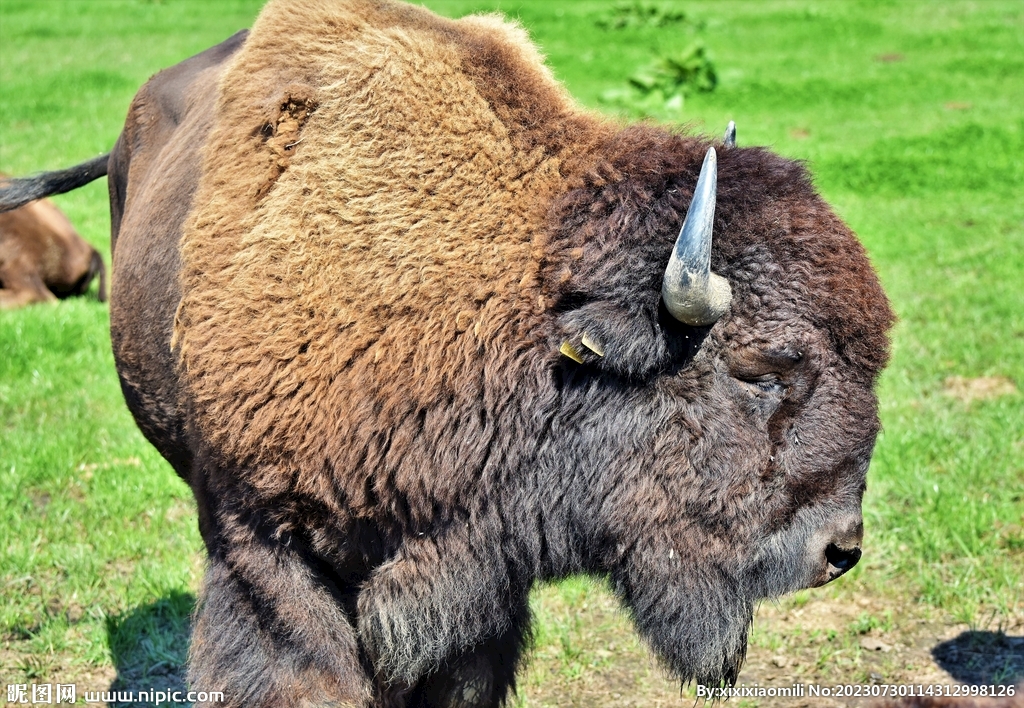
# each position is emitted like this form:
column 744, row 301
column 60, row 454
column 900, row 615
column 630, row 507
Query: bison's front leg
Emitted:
column 480, row 678
column 270, row 634
column 446, row 618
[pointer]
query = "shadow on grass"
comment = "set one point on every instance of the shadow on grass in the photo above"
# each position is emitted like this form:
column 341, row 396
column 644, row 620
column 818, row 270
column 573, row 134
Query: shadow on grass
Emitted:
column 149, row 646
column 982, row 658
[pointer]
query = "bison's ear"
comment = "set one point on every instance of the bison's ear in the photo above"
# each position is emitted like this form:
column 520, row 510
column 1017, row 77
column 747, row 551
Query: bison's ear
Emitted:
column 636, row 341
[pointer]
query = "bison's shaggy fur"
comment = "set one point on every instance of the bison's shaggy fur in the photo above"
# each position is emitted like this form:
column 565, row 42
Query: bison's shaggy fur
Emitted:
column 393, row 223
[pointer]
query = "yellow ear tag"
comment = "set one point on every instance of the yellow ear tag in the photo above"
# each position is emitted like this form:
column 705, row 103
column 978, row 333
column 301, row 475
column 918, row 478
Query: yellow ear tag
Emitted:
column 568, row 350
column 592, row 345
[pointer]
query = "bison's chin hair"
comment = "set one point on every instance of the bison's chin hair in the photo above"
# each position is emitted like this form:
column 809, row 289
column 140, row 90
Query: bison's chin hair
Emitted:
column 697, row 624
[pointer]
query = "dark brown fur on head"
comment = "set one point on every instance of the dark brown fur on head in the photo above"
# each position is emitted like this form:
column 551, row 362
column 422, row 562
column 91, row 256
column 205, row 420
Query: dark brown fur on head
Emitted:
column 389, row 226
column 743, row 438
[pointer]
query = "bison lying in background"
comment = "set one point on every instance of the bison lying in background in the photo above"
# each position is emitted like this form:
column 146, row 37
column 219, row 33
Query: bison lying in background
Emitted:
column 418, row 331
column 43, row 258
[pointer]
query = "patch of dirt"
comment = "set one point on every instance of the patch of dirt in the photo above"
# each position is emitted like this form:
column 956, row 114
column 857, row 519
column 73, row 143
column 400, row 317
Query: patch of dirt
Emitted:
column 866, row 640
column 890, row 57
column 148, row 646
column 982, row 388
column 90, row 467
column 180, row 509
column 587, row 653
column 20, row 664
column 812, row 638
column 40, row 500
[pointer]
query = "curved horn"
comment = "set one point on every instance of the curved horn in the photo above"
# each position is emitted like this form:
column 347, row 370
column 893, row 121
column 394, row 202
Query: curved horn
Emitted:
column 692, row 293
column 730, row 135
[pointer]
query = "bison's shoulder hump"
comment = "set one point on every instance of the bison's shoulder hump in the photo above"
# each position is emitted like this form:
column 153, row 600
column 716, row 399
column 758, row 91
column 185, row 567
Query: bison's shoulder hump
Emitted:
column 369, row 192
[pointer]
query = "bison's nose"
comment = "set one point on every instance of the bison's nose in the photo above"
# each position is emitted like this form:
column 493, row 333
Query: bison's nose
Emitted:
column 843, row 550
column 842, row 559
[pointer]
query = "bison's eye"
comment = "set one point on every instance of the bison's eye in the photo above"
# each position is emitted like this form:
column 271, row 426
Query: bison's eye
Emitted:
column 768, row 384
column 763, row 395
column 764, row 378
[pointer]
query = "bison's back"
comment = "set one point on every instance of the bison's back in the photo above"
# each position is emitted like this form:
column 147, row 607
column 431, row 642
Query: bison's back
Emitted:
column 152, row 176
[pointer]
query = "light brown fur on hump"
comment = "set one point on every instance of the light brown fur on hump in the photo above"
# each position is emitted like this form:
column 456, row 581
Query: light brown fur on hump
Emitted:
column 367, row 224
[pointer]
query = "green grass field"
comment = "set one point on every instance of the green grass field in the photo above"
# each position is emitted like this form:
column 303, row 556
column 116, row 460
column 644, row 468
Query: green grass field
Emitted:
column 909, row 114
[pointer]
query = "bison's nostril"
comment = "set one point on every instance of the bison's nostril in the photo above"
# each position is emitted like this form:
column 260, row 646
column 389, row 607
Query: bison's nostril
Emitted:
column 840, row 558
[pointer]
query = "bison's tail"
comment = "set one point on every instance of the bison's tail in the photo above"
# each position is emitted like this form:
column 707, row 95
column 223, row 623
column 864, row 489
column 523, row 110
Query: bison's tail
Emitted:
column 19, row 192
column 96, row 266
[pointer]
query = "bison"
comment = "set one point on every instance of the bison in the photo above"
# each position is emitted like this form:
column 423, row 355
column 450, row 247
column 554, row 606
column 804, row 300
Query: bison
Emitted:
column 42, row 257
column 419, row 331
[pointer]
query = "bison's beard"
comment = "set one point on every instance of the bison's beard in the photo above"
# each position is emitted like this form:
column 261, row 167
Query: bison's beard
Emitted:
column 695, row 610
column 695, row 618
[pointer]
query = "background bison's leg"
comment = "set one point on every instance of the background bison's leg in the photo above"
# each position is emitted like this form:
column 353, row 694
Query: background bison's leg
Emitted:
column 88, row 274
column 19, row 289
column 446, row 613
column 269, row 633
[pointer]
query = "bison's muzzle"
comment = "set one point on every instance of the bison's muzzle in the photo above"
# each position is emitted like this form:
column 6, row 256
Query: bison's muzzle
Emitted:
column 836, row 550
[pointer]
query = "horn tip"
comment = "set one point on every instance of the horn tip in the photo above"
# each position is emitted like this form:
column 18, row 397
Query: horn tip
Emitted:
column 730, row 134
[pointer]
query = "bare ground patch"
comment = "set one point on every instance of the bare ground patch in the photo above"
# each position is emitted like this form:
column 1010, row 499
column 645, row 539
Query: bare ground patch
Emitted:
column 981, row 388
column 859, row 638
column 21, row 662
column 587, row 653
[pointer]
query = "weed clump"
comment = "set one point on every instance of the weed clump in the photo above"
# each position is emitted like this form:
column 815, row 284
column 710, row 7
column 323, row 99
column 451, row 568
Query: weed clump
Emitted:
column 658, row 89
column 663, row 85
column 626, row 15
